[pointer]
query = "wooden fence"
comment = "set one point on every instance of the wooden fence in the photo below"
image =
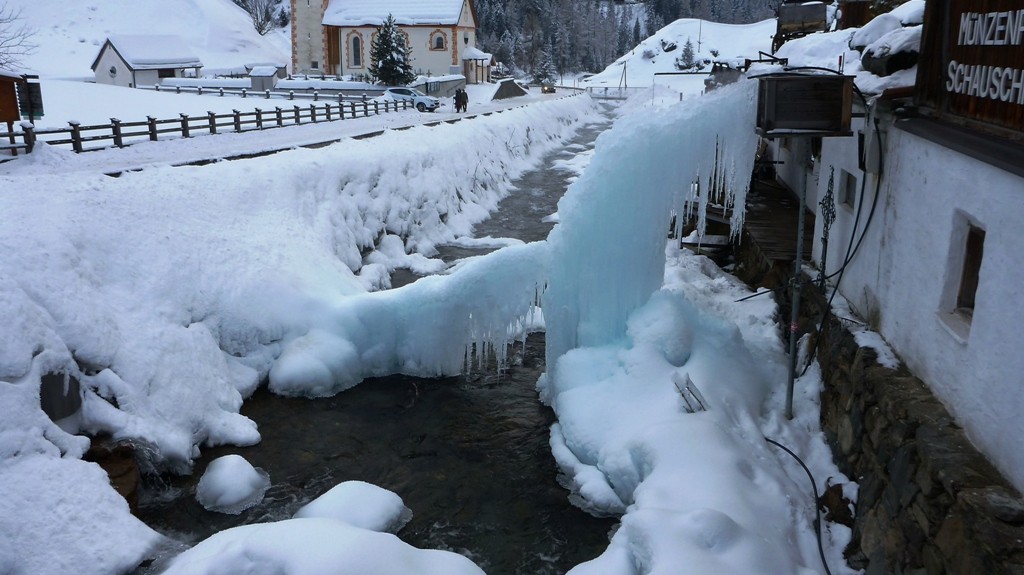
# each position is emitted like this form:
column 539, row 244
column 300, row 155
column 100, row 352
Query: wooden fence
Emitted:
column 120, row 134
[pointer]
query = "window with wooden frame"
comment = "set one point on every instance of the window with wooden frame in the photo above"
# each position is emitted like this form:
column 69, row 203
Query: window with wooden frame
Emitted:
column 971, row 271
column 438, row 40
column 963, row 275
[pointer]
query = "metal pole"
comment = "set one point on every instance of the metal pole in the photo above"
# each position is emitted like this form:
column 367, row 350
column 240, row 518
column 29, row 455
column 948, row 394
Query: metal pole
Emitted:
column 794, row 316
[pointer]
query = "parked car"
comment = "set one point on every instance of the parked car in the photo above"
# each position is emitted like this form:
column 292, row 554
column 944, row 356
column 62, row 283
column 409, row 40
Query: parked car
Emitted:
column 423, row 102
column 547, row 88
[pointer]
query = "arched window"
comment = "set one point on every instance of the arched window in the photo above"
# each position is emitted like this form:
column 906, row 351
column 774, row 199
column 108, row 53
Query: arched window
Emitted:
column 438, row 41
column 357, row 52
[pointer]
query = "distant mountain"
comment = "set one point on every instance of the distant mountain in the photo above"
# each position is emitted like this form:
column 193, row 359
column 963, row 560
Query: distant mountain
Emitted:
column 68, row 33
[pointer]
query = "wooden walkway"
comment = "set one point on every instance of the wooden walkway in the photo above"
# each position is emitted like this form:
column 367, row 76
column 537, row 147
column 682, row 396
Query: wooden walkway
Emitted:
column 771, row 224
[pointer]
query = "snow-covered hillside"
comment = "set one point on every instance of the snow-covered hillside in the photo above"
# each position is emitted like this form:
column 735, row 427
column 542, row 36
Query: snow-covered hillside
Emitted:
column 658, row 53
column 68, row 33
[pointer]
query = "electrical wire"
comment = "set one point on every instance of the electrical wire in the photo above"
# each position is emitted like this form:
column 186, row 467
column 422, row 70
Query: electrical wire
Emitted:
column 853, row 246
column 817, row 508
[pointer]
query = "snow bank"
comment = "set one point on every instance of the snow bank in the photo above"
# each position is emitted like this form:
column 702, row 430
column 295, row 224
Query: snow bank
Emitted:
column 170, row 321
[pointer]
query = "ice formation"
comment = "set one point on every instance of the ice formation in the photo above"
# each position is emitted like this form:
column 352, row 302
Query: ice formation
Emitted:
column 231, row 484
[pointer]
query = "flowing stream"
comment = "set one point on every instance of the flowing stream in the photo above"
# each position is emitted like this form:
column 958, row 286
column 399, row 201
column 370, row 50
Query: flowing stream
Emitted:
column 469, row 455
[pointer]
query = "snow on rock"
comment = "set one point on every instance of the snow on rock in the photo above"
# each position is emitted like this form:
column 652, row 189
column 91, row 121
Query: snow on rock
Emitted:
column 60, row 516
column 313, row 546
column 910, row 13
column 360, row 504
column 878, row 26
column 231, row 484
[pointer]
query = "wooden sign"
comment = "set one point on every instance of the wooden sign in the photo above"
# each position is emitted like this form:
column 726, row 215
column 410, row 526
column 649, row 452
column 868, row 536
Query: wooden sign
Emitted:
column 8, row 99
column 973, row 64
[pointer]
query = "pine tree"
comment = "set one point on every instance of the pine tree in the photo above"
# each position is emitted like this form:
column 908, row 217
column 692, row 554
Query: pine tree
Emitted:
column 390, row 56
column 544, row 72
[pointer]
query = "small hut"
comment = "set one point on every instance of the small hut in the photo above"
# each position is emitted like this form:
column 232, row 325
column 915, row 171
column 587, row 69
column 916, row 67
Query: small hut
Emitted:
column 131, row 61
column 476, row 65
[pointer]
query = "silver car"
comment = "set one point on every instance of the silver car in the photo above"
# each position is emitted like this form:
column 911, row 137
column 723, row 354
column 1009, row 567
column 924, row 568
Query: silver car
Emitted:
column 423, row 102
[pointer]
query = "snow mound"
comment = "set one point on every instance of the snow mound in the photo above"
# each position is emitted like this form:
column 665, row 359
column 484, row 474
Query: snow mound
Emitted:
column 314, row 546
column 231, row 485
column 360, row 504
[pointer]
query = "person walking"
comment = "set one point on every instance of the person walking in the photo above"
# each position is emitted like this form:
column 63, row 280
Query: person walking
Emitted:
column 465, row 99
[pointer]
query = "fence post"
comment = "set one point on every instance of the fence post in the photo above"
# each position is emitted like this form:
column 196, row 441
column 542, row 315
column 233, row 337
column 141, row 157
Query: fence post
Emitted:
column 267, row 93
column 29, row 133
column 280, row 118
column 151, row 124
column 245, row 93
column 291, row 94
column 200, row 91
column 259, row 119
column 312, row 112
column 115, row 128
column 341, row 110
column 327, row 110
column 221, row 90
column 366, row 109
column 376, row 108
column 156, row 87
column 316, row 96
column 76, row 136
column 353, row 105
column 238, row 121
column 212, row 118
column 177, row 89
column 340, row 98
column 298, row 116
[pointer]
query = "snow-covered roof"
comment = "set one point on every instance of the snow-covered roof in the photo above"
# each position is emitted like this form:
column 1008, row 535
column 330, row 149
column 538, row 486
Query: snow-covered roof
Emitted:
column 405, row 12
column 148, row 52
column 4, row 73
column 263, row 71
column 474, row 53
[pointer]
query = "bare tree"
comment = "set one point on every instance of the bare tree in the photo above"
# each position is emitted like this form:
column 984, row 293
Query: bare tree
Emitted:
column 15, row 38
column 262, row 14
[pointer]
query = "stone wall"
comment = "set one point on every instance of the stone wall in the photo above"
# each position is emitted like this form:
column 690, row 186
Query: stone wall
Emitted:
column 929, row 502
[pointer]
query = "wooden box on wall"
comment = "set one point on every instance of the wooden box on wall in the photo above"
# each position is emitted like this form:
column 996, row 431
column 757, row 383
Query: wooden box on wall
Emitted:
column 791, row 105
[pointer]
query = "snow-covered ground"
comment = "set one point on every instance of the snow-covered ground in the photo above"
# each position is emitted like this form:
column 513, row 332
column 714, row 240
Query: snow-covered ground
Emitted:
column 172, row 292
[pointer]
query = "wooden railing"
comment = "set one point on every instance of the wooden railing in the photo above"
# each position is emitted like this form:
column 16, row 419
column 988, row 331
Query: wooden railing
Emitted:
column 120, row 134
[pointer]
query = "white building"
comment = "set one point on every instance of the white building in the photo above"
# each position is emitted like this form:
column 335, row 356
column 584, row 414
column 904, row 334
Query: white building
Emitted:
column 937, row 194
column 333, row 36
column 141, row 60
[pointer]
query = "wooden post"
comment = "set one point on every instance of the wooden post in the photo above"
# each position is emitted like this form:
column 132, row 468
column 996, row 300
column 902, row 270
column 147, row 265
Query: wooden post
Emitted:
column 376, row 108
column 259, row 119
column 327, row 110
column 29, row 130
column 366, row 109
column 244, row 92
column 12, row 137
column 280, row 117
column 291, row 94
column 298, row 116
column 238, row 121
column 184, row 125
column 267, row 94
column 151, row 122
column 212, row 119
column 353, row 105
column 76, row 136
column 177, row 89
column 221, row 91
column 200, row 91
column 115, row 127
column 316, row 96
column 341, row 111
column 340, row 99
column 312, row 112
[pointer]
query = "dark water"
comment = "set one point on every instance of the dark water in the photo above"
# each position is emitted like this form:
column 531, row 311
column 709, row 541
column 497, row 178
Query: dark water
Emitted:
column 469, row 455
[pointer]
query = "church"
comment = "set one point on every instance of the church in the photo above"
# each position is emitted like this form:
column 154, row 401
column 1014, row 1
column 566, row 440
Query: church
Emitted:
column 333, row 37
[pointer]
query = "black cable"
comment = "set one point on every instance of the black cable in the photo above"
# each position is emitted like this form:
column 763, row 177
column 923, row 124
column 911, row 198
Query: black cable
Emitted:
column 817, row 508
column 852, row 247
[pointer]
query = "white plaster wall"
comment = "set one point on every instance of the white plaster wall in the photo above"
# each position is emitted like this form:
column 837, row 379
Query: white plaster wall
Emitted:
column 910, row 256
column 110, row 59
